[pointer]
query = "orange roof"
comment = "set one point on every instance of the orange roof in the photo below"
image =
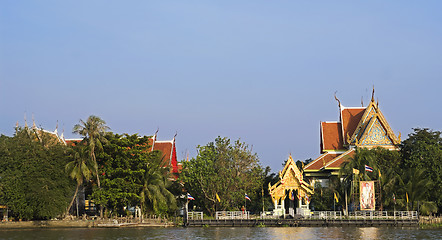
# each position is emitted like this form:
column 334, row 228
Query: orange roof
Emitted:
column 350, row 118
column 72, row 142
column 166, row 148
column 338, row 161
column 331, row 136
column 321, row 161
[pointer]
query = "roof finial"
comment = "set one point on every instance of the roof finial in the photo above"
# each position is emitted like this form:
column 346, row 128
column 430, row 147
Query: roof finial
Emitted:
column 26, row 123
column 156, row 132
column 372, row 94
column 339, row 102
column 362, row 101
column 56, row 129
column 33, row 122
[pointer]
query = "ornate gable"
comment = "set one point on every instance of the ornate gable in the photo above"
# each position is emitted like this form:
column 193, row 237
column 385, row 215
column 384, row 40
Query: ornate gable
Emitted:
column 290, row 178
column 291, row 171
column 373, row 130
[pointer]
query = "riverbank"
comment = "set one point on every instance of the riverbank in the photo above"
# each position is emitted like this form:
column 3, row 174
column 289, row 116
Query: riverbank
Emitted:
column 108, row 223
column 429, row 222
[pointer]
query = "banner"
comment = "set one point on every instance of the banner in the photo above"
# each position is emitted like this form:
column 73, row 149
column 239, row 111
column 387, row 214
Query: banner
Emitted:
column 367, row 195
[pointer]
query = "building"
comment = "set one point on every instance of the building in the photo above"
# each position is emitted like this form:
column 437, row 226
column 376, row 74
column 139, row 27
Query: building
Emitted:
column 290, row 192
column 167, row 147
column 364, row 127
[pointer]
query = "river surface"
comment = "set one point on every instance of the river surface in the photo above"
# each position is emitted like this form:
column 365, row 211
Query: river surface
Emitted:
column 280, row 233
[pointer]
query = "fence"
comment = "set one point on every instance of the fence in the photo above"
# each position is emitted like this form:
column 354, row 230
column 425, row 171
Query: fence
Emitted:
column 326, row 215
column 365, row 215
column 232, row 215
column 195, row 216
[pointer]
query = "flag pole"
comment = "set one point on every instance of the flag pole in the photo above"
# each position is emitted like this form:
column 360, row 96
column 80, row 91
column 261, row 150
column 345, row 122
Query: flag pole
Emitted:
column 262, row 189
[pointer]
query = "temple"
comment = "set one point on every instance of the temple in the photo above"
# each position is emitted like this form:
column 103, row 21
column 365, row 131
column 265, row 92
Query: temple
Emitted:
column 290, row 183
column 167, row 147
column 364, row 127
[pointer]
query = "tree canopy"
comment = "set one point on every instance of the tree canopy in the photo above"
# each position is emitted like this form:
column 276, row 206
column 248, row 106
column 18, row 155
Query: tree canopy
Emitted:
column 132, row 175
column 33, row 183
column 225, row 169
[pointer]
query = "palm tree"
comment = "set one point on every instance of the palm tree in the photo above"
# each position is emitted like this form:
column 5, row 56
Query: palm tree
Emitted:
column 154, row 194
column 416, row 185
column 93, row 130
column 80, row 170
column 361, row 158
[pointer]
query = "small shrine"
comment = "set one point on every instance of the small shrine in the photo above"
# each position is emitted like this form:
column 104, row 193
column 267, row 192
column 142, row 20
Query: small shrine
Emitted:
column 291, row 184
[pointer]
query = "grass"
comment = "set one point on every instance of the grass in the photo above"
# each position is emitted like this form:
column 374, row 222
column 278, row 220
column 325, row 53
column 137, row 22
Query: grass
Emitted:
column 430, row 225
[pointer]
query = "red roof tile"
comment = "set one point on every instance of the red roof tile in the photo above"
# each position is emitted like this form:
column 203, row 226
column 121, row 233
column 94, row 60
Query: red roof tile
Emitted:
column 331, row 136
column 350, row 118
column 318, row 163
column 338, row 161
column 166, row 149
column 72, row 142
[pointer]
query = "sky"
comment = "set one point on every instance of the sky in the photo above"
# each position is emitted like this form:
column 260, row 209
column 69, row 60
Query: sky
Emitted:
column 264, row 72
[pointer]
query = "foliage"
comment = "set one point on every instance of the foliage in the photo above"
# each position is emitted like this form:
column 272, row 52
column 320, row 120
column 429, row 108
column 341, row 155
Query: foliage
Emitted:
column 32, row 182
column 423, row 150
column 416, row 185
column 132, row 175
column 93, row 130
column 322, row 200
column 79, row 169
column 227, row 169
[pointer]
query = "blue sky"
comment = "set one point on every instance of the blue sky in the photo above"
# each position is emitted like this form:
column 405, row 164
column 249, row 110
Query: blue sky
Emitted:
column 262, row 71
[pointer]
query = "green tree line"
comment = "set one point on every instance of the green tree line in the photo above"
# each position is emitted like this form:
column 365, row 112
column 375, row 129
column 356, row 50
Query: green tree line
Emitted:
column 40, row 178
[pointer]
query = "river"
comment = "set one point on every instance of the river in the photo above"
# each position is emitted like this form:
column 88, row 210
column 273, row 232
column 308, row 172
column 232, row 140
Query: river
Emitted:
column 280, row 233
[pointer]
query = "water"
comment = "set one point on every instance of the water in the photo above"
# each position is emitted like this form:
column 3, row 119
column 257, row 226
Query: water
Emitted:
column 281, row 233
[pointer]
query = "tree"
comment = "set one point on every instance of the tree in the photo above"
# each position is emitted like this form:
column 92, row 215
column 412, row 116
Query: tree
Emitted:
column 78, row 169
column 132, row 175
column 414, row 184
column 226, row 169
column 93, row 130
column 361, row 158
column 155, row 196
column 33, row 183
column 423, row 150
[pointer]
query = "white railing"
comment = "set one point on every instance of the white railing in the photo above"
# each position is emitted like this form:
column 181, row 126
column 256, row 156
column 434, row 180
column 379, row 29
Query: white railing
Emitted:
column 232, row 215
column 368, row 214
column 406, row 215
column 195, row 216
column 292, row 212
column 326, row 215
column 365, row 215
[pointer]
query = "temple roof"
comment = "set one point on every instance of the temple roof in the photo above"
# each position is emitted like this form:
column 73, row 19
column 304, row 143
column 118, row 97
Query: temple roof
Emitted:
column 320, row 162
column 339, row 160
column 290, row 178
column 358, row 127
column 331, row 136
column 350, row 118
column 166, row 148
